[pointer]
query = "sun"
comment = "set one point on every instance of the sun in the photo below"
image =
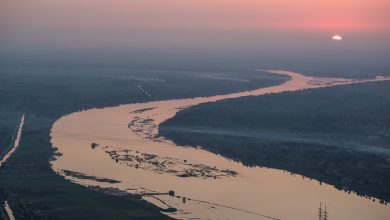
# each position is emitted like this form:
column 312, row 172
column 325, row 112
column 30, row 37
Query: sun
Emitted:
column 337, row 37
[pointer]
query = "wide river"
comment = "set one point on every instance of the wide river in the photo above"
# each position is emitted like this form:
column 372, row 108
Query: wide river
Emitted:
column 121, row 143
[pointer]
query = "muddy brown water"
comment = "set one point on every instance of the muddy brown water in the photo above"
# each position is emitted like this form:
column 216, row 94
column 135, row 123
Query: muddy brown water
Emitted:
column 130, row 151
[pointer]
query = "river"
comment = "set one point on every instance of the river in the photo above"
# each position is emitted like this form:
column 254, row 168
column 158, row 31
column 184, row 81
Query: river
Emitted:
column 121, row 143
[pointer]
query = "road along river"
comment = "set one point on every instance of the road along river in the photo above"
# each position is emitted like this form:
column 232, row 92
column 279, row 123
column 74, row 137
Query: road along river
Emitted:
column 119, row 147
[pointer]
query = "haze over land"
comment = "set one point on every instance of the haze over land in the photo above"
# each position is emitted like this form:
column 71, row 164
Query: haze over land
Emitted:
column 199, row 34
column 244, row 24
column 85, row 86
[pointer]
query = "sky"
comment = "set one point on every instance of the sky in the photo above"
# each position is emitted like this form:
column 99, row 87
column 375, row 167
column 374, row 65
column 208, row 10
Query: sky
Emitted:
column 242, row 24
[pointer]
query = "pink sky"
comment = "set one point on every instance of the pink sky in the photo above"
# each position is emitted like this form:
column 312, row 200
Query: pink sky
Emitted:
column 35, row 17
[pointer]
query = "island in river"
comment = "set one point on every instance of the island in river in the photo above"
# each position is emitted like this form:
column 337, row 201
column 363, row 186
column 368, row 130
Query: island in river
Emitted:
column 128, row 138
column 337, row 135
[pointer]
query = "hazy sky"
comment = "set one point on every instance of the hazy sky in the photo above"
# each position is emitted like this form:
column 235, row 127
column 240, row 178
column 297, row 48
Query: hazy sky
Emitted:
column 365, row 24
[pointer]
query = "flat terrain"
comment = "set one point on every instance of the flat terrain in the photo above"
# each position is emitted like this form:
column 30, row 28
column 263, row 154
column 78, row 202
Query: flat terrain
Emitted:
column 337, row 135
column 47, row 93
column 51, row 84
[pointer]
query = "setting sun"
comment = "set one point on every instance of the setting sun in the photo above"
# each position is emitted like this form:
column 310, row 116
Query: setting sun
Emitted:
column 195, row 109
column 337, row 37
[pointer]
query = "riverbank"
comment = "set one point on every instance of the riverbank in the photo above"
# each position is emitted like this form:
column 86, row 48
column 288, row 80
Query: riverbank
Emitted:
column 265, row 191
column 335, row 135
column 46, row 93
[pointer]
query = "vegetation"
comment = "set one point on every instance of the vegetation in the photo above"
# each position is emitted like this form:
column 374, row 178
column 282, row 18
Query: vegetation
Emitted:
column 338, row 135
column 46, row 93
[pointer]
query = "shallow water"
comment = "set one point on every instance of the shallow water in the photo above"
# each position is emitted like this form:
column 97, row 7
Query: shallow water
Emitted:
column 9, row 211
column 130, row 151
column 15, row 145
